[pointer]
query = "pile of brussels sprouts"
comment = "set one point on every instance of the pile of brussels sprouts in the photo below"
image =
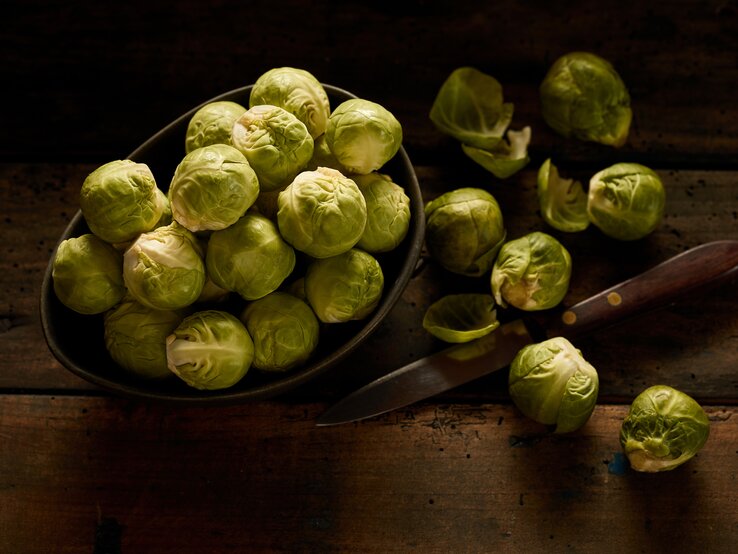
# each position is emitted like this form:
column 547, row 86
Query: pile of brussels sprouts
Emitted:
column 583, row 97
column 280, row 205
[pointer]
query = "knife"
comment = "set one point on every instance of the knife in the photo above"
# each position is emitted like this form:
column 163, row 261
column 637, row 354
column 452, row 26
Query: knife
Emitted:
column 691, row 271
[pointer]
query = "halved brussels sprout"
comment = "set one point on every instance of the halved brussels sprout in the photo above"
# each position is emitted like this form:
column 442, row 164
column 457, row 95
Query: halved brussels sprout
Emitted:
column 626, row 201
column 212, row 187
column 88, row 274
column 164, row 269
column 551, row 383
column 210, row 350
column 277, row 144
column 507, row 157
column 284, row 329
column 464, row 230
column 461, row 317
column 344, row 287
column 119, row 201
column 582, row 96
column 387, row 212
column 249, row 257
column 212, row 124
column 362, row 135
column 469, row 107
column 135, row 337
column 531, row 273
column 563, row 202
column 663, row 429
column 296, row 91
column 322, row 213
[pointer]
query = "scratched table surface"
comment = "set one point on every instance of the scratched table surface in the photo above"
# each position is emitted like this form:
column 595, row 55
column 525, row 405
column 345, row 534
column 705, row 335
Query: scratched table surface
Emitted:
column 82, row 470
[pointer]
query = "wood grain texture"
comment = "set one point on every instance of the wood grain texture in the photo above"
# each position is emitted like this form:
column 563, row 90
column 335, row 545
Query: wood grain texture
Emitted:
column 263, row 478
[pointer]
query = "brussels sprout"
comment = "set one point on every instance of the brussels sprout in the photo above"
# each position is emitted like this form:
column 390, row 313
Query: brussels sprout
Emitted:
column 119, row 201
column 212, row 292
column 582, row 96
column 163, row 269
column 322, row 213
column 362, row 135
column 663, row 429
column 464, row 230
column 461, row 317
column 469, row 107
column 531, row 273
column 507, row 157
column 284, row 330
column 323, row 157
column 344, row 287
column 296, row 91
column 387, row 212
column 276, row 144
column 626, row 201
column 212, row 187
column 135, row 337
column 166, row 214
column 212, row 124
column 551, row 383
column 249, row 257
column 563, row 202
column 88, row 274
column 210, row 350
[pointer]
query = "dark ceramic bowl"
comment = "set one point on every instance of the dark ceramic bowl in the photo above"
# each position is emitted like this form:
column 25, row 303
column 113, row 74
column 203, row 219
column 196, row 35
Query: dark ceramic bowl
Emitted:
column 77, row 340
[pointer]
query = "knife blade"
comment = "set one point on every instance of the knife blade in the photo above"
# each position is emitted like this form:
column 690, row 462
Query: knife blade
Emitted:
column 692, row 271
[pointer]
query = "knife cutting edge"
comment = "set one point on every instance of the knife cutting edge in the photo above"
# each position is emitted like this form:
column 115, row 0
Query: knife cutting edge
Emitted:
column 694, row 270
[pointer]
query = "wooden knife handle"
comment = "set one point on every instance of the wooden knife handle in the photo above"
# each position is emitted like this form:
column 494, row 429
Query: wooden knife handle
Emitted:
column 691, row 271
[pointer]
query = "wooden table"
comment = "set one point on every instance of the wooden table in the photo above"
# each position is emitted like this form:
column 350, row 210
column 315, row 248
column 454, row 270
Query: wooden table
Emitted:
column 82, row 470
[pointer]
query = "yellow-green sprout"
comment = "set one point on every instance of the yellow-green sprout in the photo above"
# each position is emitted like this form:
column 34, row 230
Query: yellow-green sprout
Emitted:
column 464, row 230
column 212, row 124
column 120, row 200
column 663, row 429
column 210, row 350
column 277, row 144
column 563, row 202
column 582, row 96
column 531, row 272
column 88, row 274
column 626, row 201
column 552, row 383
column 387, row 212
column 296, row 91
column 212, row 188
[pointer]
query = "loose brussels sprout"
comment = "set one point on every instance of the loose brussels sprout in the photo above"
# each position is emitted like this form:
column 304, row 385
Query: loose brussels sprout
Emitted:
column 663, row 429
column 551, row 383
column 135, row 337
column 387, row 212
column 88, row 274
column 362, row 135
column 469, row 107
column 296, row 91
column 626, row 201
column 322, row 213
column 563, row 202
column 212, row 187
column 531, row 273
column 461, row 317
column 212, row 124
column 344, row 287
column 119, row 200
column 210, row 350
column 276, row 144
column 582, row 96
column 284, row 330
column 163, row 269
column 464, row 230
column 249, row 257
column 323, row 157
column 507, row 157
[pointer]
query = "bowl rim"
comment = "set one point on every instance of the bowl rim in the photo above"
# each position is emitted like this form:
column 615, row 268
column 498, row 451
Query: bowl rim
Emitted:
column 268, row 389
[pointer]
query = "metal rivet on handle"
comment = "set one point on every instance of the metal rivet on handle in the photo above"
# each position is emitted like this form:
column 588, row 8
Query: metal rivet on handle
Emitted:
column 614, row 299
column 569, row 317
